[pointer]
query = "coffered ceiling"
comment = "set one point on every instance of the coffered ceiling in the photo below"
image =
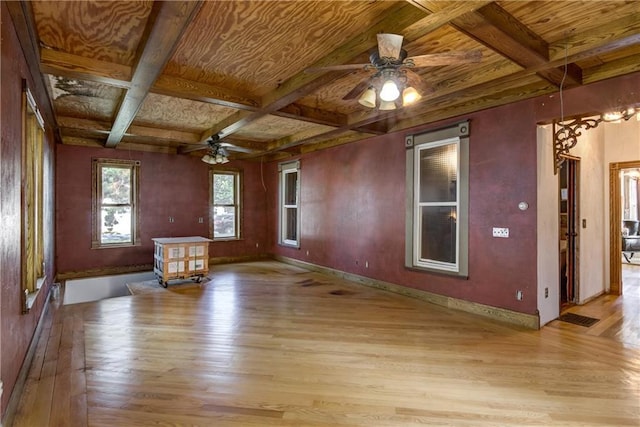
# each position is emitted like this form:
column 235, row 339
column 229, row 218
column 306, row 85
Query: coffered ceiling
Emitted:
column 166, row 76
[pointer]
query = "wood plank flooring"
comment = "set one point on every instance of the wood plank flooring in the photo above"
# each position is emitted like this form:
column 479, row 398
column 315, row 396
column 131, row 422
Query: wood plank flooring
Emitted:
column 268, row 344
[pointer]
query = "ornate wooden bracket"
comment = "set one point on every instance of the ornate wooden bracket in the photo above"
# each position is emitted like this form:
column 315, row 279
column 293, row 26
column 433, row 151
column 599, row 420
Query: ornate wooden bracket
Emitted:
column 565, row 134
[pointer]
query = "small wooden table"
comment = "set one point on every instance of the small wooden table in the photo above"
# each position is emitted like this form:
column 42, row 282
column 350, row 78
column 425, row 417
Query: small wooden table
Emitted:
column 180, row 258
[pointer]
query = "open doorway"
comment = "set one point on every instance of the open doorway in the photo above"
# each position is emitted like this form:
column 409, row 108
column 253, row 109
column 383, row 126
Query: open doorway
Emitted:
column 569, row 239
column 624, row 219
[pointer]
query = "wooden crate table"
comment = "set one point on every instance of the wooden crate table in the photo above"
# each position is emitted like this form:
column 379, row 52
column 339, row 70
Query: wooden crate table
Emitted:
column 180, row 258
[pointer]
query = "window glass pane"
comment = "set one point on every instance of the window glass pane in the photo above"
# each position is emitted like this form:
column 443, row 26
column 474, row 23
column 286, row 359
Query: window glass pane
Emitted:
column 291, row 223
column 224, row 221
column 438, row 174
column 290, row 186
column 115, row 225
column 223, row 189
column 438, row 233
column 116, row 185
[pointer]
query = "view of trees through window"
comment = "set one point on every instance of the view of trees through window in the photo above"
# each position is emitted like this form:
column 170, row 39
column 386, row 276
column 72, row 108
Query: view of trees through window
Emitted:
column 224, row 205
column 116, row 205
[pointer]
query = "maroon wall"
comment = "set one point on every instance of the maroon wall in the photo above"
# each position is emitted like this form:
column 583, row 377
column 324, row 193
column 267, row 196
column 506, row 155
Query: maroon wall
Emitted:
column 17, row 329
column 353, row 212
column 353, row 200
column 170, row 186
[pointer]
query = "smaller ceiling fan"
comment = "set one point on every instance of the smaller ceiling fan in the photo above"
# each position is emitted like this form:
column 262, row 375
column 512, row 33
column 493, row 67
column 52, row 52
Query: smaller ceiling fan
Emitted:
column 393, row 76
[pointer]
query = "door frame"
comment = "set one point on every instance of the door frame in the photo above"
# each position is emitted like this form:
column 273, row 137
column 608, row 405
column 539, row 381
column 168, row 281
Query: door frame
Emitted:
column 572, row 178
column 615, row 226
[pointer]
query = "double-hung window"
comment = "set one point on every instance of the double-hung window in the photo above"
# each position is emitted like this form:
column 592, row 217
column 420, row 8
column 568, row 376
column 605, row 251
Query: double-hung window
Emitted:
column 225, row 206
column 289, row 229
column 437, row 194
column 115, row 203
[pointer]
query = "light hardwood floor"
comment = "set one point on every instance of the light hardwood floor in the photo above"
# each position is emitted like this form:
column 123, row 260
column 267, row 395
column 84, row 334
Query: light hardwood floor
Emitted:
column 268, row 344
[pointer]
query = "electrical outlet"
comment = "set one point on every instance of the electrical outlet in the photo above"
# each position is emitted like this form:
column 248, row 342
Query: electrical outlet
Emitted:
column 519, row 295
column 366, row 264
column 200, row 220
column 546, row 292
column 500, row 232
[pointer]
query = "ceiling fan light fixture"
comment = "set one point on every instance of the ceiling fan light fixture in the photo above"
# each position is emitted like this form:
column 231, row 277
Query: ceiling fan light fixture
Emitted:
column 389, row 91
column 368, row 98
column 208, row 159
column 409, row 96
column 216, row 155
column 387, row 105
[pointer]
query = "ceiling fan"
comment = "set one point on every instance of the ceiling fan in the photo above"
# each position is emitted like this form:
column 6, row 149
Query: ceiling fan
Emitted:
column 393, row 75
column 218, row 150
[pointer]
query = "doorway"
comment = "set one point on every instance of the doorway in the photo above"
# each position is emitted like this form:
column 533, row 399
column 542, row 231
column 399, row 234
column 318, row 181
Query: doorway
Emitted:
column 569, row 191
column 619, row 211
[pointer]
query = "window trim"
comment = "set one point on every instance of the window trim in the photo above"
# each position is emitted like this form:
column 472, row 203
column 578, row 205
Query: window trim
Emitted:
column 283, row 169
column 414, row 143
column 238, row 183
column 33, row 272
column 96, row 222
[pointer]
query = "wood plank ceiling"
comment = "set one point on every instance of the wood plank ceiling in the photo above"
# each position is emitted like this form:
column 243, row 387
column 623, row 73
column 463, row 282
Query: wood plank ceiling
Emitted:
column 165, row 76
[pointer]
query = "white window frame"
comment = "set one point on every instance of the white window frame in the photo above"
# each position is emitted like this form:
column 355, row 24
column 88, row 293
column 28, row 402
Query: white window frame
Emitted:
column 415, row 144
column 97, row 166
column 284, row 169
column 237, row 205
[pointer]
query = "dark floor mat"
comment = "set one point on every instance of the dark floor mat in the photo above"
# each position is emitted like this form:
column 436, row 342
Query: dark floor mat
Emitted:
column 578, row 319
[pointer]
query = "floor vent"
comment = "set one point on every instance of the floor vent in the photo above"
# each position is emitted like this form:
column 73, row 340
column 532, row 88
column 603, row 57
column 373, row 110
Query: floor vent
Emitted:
column 578, row 319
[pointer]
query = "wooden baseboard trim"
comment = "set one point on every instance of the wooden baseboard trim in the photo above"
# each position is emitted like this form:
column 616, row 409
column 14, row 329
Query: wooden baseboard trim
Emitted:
column 234, row 259
column 529, row 321
column 14, row 399
column 591, row 298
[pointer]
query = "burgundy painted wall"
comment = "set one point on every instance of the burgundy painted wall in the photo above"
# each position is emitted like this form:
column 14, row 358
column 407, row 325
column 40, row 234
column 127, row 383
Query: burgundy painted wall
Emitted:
column 353, row 200
column 170, row 186
column 353, row 211
column 17, row 329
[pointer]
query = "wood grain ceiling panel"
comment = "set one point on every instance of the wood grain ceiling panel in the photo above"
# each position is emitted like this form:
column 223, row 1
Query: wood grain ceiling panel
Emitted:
column 107, row 31
column 253, row 46
column 272, row 128
column 179, row 113
column 83, row 99
column 236, row 68
column 555, row 20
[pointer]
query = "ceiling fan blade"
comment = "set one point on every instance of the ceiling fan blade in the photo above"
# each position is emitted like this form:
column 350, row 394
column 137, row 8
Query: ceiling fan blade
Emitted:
column 342, row 67
column 389, row 45
column 232, row 147
column 357, row 90
column 445, row 58
column 417, row 82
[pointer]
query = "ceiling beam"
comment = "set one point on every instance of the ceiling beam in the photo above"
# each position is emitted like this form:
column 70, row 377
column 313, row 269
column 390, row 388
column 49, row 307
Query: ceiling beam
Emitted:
column 79, row 67
column 25, row 27
column 495, row 28
column 166, row 24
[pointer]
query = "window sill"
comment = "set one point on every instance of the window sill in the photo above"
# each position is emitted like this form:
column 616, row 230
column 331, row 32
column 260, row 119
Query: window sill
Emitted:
column 30, row 297
column 115, row 246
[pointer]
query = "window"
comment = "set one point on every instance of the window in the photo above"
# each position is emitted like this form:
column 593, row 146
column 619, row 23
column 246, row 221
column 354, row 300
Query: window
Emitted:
column 33, row 268
column 437, row 191
column 289, row 198
column 115, row 203
column 225, row 207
